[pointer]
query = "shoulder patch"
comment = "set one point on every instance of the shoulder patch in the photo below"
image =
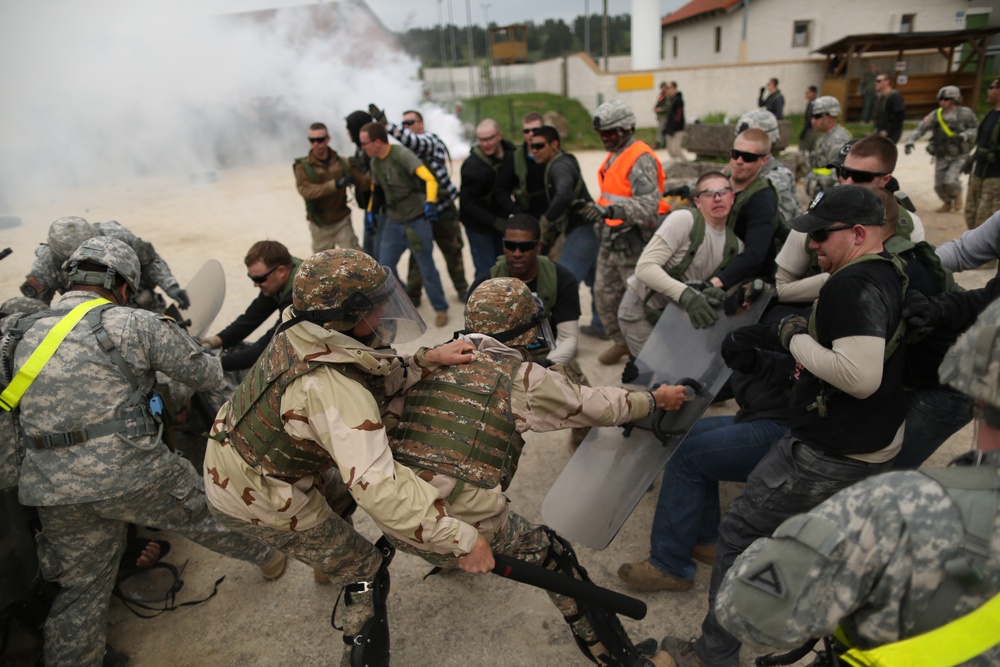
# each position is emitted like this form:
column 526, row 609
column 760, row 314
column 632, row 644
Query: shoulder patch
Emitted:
column 767, row 579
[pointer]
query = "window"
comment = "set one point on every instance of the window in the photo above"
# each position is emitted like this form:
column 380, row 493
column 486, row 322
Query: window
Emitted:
column 718, row 38
column 906, row 23
column 800, row 33
column 675, row 45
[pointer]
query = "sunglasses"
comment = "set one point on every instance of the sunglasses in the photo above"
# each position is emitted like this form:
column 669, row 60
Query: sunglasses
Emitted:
column 715, row 194
column 528, row 130
column 408, row 122
column 994, row 87
column 817, row 116
column 821, row 235
column 537, row 147
column 318, row 140
column 745, row 156
column 858, row 175
column 260, row 279
column 522, row 246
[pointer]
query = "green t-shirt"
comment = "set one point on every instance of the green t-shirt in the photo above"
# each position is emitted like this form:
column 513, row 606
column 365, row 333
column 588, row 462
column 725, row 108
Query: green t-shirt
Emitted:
column 404, row 191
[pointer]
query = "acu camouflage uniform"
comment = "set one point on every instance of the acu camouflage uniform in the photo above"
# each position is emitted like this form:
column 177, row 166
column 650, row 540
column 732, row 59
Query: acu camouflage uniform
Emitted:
column 825, row 152
column 783, row 180
column 950, row 153
column 87, row 492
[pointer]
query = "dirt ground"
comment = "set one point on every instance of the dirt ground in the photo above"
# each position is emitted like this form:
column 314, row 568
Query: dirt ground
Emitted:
column 443, row 621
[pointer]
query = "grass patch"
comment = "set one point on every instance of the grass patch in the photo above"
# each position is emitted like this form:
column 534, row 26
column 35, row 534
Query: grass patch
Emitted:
column 508, row 110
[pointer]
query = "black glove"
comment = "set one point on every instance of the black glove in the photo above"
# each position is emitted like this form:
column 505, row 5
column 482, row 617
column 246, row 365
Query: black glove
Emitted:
column 591, row 212
column 431, row 212
column 919, row 311
column 377, row 114
column 682, row 191
column 631, row 371
column 180, row 296
column 344, row 181
column 698, row 309
column 739, row 350
column 791, row 325
column 744, row 295
column 908, row 148
column 967, row 166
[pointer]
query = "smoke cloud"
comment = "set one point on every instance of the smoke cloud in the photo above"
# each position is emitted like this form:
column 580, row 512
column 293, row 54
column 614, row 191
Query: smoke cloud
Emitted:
column 102, row 92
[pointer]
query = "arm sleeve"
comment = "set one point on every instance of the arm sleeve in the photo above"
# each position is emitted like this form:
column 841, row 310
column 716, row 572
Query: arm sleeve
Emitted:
column 308, row 189
column 567, row 335
column 422, row 145
column 562, row 177
column 257, row 312
column 472, row 195
column 507, row 183
column 641, row 207
column 649, row 269
column 779, row 106
column 175, row 353
column 760, row 210
column 430, row 183
column 973, row 248
column 798, row 290
column 919, row 233
column 854, row 365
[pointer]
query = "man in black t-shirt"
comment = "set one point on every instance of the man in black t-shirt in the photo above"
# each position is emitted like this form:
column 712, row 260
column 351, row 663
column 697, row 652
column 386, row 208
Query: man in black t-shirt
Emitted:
column 847, row 405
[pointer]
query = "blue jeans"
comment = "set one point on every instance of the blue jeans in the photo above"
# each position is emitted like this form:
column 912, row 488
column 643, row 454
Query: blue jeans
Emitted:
column 485, row 248
column 792, row 478
column 932, row 416
column 579, row 255
column 394, row 242
column 716, row 450
column 370, row 244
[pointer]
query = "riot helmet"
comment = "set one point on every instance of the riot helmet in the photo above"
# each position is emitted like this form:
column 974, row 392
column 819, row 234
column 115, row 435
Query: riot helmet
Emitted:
column 117, row 256
column 66, row 234
column 505, row 309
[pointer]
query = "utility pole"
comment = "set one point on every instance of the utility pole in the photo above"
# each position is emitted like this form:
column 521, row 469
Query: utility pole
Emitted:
column 472, row 54
column 586, row 27
column 489, row 48
column 604, row 35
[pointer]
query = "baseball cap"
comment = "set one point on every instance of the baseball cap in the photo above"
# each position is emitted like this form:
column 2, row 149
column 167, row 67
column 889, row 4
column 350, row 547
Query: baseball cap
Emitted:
column 851, row 204
column 842, row 155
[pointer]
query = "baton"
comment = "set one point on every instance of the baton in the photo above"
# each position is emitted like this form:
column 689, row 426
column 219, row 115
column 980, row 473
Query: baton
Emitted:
column 5, row 252
column 534, row 575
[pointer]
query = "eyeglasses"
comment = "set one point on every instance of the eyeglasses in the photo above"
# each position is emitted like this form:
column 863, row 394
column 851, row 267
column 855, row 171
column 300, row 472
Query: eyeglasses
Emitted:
column 858, row 175
column 365, row 143
column 718, row 193
column 318, row 140
column 745, row 156
column 260, row 279
column 522, row 246
column 537, row 147
column 821, row 235
column 486, row 140
column 408, row 122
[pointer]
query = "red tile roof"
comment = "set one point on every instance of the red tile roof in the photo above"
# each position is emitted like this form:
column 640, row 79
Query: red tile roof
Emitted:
column 697, row 8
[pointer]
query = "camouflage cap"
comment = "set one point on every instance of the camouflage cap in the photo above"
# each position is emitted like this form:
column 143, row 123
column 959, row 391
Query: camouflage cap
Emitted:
column 107, row 251
column 614, row 114
column 22, row 304
column 826, row 104
column 499, row 305
column 949, row 93
column 66, row 234
column 343, row 283
column 759, row 119
column 972, row 365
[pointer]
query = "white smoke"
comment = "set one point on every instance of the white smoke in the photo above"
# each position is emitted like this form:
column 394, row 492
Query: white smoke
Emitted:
column 97, row 93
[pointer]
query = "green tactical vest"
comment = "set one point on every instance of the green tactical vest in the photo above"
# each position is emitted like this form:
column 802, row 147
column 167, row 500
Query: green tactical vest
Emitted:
column 546, row 282
column 253, row 423
column 458, row 422
column 312, row 210
column 521, row 195
column 926, row 256
column 416, row 184
column 742, row 197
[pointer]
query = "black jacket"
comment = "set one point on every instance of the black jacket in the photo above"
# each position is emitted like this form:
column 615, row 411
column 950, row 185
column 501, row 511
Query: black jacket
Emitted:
column 482, row 206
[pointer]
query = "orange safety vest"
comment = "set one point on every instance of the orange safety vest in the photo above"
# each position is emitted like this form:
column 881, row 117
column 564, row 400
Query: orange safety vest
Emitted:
column 613, row 180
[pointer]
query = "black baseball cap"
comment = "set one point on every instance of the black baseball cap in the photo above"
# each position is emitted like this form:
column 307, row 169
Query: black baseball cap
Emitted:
column 850, row 204
column 842, row 155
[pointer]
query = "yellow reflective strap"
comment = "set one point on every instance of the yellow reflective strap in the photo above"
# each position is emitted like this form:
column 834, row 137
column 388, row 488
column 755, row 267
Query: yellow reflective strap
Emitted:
column 27, row 373
column 822, row 171
column 944, row 126
column 952, row 644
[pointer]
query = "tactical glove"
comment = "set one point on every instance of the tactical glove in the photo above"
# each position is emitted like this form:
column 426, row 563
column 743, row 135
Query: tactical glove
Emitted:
column 739, row 347
column 344, row 181
column 377, row 114
column 180, row 296
column 702, row 315
column 683, row 191
column 919, row 311
column 909, row 147
column 714, row 295
column 697, row 284
column 744, row 295
column 591, row 212
column 431, row 212
column 791, row 325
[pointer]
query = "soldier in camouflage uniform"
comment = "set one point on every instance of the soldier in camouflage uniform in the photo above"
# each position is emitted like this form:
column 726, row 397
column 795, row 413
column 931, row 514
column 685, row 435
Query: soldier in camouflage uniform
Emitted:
column 48, row 278
column 460, row 430
column 628, row 211
column 953, row 136
column 309, row 416
column 895, row 557
column 832, row 136
column 93, row 458
column 780, row 176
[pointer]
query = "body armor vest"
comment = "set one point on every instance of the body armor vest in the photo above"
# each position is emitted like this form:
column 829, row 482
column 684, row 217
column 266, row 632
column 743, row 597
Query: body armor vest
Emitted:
column 458, row 422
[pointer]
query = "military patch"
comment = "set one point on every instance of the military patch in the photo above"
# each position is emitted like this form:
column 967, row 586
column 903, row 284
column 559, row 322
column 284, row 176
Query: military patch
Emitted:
column 768, row 579
column 816, row 200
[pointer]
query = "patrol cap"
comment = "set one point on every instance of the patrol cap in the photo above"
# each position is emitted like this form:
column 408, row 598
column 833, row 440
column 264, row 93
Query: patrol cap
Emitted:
column 614, row 114
column 759, row 119
column 842, row 155
column 851, row 204
column 949, row 93
column 826, row 105
column 972, row 365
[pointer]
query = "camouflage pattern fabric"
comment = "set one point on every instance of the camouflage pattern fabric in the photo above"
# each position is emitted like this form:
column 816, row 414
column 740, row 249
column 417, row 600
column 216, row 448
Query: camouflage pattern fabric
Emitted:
column 948, row 176
column 868, row 559
column 327, row 280
column 960, row 120
column 824, row 152
column 614, row 114
column 448, row 237
column 783, row 180
column 110, row 253
column 610, row 285
column 982, row 200
column 499, row 305
column 972, row 368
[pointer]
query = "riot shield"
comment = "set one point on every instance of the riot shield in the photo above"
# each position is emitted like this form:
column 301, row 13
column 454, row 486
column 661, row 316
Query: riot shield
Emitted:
column 606, row 478
column 207, row 290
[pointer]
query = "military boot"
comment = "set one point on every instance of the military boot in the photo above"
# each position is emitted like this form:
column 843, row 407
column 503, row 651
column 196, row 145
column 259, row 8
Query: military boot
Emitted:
column 957, row 203
column 944, row 208
column 613, row 354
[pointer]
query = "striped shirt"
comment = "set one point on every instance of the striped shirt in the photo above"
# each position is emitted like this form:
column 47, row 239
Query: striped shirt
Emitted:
column 429, row 148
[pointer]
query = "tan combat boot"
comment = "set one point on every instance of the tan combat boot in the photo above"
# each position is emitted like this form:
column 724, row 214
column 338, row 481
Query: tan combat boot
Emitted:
column 944, row 208
column 957, row 203
column 644, row 576
column 613, row 354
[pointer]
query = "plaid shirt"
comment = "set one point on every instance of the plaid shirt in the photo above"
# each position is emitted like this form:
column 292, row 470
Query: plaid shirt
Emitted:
column 429, row 148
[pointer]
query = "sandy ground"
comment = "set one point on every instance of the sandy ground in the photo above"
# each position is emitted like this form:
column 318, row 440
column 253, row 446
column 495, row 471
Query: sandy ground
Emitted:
column 447, row 620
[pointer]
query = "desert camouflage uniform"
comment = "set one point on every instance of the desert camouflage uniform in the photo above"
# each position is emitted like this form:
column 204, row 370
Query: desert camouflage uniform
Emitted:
column 447, row 231
column 87, row 492
column 868, row 560
column 540, row 400
column 48, row 279
column 950, row 153
column 783, row 180
column 615, row 265
column 824, row 152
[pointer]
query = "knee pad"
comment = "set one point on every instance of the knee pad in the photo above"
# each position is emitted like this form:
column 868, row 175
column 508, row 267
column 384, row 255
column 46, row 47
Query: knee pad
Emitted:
column 370, row 646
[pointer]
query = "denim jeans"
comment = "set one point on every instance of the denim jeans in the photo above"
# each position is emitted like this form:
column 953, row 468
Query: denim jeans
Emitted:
column 687, row 512
column 791, row 478
column 371, row 242
column 394, row 242
column 485, row 248
column 932, row 416
column 579, row 255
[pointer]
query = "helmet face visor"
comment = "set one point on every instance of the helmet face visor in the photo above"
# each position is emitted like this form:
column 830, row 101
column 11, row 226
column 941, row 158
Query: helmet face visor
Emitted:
column 392, row 319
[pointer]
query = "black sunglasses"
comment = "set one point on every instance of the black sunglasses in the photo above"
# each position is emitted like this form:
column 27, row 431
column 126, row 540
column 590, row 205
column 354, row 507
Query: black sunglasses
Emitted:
column 318, row 140
column 821, row 235
column 408, row 122
column 858, row 175
column 259, row 279
column 747, row 157
column 537, row 147
column 817, row 116
column 523, row 246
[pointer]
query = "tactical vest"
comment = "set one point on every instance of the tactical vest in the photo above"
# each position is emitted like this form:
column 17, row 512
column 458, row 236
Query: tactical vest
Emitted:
column 743, row 196
column 926, row 256
column 312, row 208
column 458, row 422
column 253, row 423
column 522, row 195
column 546, row 283
column 416, row 184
